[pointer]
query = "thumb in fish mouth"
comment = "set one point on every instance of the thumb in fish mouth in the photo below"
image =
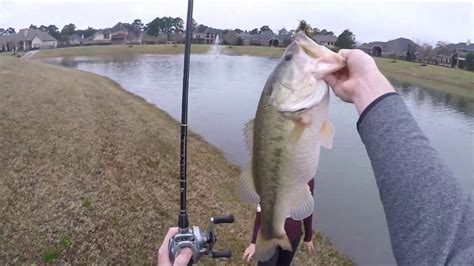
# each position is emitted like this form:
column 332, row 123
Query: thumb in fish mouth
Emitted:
column 326, row 61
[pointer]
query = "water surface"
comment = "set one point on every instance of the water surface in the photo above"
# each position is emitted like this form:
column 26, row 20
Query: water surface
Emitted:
column 224, row 93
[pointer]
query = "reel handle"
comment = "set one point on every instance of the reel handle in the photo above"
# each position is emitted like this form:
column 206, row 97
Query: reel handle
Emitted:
column 226, row 219
column 221, row 254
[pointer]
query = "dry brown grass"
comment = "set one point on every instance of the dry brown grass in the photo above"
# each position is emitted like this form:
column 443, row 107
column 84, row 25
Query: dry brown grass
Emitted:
column 89, row 174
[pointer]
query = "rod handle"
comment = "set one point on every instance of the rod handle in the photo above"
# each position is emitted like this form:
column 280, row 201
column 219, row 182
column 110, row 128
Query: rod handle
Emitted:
column 226, row 219
column 222, row 254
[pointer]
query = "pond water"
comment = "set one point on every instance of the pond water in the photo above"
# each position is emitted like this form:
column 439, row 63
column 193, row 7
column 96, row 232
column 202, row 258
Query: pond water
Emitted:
column 224, row 93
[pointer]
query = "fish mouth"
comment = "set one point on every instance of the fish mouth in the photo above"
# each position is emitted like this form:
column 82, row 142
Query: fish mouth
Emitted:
column 315, row 50
column 288, row 87
column 308, row 102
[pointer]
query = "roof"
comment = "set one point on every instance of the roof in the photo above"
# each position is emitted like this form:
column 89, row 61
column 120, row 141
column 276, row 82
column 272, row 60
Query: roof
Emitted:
column 75, row 37
column 461, row 45
column 396, row 45
column 320, row 38
column 371, row 44
column 29, row 35
column 263, row 36
column 399, row 44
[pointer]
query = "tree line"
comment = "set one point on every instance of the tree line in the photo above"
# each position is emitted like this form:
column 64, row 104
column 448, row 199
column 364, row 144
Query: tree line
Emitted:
column 171, row 25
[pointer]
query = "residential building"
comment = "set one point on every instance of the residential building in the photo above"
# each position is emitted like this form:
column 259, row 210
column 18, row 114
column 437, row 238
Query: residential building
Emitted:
column 326, row 40
column 75, row 40
column 207, row 36
column 459, row 56
column 28, row 39
column 397, row 47
column 266, row 38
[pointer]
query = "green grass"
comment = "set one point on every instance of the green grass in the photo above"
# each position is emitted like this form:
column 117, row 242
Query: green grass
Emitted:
column 49, row 254
column 430, row 76
column 65, row 241
column 87, row 203
column 272, row 52
column 112, row 50
column 19, row 54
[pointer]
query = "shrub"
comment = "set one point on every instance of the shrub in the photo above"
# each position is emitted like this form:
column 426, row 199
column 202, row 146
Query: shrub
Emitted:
column 470, row 61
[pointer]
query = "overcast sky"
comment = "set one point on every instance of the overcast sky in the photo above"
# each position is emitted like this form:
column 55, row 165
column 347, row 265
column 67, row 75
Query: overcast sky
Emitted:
column 420, row 21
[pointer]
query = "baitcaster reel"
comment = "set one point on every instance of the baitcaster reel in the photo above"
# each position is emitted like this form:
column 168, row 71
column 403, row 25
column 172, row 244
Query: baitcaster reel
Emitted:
column 201, row 243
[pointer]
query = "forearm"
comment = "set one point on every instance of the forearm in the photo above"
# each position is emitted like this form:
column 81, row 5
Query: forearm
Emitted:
column 256, row 227
column 308, row 228
column 425, row 207
column 308, row 221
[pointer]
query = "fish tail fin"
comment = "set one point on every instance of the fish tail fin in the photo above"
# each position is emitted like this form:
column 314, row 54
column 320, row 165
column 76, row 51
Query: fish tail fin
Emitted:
column 266, row 248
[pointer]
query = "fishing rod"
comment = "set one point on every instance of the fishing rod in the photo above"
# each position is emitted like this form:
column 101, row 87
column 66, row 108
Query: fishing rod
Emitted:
column 201, row 243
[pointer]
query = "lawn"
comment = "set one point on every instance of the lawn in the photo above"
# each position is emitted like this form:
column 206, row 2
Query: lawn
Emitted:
column 119, row 50
column 89, row 174
column 430, row 76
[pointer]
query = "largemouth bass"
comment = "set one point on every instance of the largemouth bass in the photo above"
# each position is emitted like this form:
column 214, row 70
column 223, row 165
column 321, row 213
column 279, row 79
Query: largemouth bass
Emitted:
column 284, row 140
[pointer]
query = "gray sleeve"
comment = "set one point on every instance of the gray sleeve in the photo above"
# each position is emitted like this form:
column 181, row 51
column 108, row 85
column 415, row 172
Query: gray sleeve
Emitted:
column 430, row 219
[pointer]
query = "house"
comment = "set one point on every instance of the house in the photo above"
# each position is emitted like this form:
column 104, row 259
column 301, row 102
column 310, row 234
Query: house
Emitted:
column 266, row 38
column 102, row 37
column 199, row 37
column 460, row 52
column 118, row 37
column 119, row 34
column 207, row 36
column 135, row 37
column 326, row 40
column 2, row 31
column 150, row 39
column 75, row 40
column 28, row 39
column 397, row 47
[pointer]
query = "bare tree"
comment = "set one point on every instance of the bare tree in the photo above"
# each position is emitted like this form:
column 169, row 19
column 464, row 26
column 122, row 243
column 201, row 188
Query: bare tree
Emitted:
column 442, row 48
column 426, row 52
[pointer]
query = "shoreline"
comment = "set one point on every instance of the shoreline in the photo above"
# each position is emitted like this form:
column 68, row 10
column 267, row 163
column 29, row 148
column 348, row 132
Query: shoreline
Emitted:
column 92, row 173
column 440, row 78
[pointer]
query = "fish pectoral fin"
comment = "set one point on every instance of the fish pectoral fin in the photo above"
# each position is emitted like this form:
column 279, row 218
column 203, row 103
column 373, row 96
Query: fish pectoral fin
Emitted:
column 266, row 248
column 303, row 204
column 326, row 135
column 298, row 129
column 248, row 135
column 246, row 187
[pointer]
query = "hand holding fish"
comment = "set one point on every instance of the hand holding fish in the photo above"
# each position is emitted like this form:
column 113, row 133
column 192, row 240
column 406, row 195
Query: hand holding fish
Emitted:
column 309, row 246
column 360, row 82
column 249, row 252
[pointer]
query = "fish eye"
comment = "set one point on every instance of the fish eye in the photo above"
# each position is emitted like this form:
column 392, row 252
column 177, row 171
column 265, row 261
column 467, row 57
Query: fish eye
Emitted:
column 288, row 57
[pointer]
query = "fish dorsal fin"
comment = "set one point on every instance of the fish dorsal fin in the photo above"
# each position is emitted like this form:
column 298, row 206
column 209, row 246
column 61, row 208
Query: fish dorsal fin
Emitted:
column 302, row 205
column 248, row 135
column 326, row 135
column 246, row 186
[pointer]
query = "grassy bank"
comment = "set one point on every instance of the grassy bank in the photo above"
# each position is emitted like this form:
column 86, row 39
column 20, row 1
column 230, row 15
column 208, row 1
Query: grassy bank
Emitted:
column 89, row 174
column 272, row 52
column 118, row 50
column 430, row 76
